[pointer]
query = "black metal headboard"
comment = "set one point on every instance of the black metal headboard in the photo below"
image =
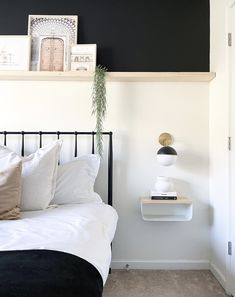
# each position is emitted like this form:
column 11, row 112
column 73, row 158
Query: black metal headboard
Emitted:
column 75, row 133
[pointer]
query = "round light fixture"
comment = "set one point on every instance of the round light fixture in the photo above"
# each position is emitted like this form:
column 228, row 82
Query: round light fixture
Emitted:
column 166, row 155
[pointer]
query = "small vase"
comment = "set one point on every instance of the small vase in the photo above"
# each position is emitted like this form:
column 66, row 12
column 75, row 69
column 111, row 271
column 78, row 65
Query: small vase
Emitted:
column 163, row 184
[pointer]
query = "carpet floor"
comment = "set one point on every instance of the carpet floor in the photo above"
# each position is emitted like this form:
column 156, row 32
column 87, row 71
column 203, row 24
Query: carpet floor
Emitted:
column 162, row 283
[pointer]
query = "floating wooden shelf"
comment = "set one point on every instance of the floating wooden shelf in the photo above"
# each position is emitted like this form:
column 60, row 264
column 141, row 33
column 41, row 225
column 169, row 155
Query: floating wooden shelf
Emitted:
column 111, row 76
column 167, row 210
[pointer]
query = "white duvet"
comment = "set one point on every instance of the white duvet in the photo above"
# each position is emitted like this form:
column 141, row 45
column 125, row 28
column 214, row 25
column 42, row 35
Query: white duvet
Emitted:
column 84, row 230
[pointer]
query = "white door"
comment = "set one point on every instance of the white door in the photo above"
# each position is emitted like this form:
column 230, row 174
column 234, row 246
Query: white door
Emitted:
column 232, row 151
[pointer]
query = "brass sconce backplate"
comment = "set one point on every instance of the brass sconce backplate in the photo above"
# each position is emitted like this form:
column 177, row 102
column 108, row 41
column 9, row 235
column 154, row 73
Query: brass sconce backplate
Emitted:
column 166, row 139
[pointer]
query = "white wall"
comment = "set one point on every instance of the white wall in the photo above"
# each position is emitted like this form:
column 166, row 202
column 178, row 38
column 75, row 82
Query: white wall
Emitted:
column 137, row 114
column 219, row 140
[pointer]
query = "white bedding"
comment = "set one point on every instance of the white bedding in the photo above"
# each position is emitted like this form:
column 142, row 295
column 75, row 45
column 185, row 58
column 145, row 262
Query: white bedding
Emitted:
column 84, row 230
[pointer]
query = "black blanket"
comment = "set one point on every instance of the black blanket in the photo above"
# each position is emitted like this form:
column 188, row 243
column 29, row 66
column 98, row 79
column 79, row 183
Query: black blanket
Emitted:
column 46, row 273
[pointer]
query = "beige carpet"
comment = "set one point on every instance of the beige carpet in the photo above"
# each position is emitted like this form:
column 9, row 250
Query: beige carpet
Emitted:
column 162, row 283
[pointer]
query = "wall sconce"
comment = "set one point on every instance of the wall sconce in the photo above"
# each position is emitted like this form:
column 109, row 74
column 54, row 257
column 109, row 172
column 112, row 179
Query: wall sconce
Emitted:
column 166, row 155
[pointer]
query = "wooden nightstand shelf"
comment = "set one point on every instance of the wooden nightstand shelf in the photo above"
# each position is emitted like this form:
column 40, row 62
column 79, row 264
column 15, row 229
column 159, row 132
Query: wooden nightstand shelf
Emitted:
column 167, row 210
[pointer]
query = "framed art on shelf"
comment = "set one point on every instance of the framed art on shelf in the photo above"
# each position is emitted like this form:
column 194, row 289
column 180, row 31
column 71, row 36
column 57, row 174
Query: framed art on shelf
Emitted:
column 52, row 37
column 15, row 52
column 83, row 57
column 52, row 53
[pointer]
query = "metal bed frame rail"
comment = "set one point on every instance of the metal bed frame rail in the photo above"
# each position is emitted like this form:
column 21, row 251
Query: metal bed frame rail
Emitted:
column 75, row 133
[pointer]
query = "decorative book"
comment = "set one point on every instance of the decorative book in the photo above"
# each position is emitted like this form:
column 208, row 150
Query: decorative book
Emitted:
column 163, row 196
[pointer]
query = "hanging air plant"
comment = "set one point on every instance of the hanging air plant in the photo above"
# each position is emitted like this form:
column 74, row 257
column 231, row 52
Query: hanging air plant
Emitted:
column 99, row 104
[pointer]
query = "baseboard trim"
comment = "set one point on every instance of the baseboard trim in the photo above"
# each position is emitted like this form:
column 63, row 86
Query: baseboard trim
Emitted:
column 172, row 265
column 218, row 275
column 162, row 265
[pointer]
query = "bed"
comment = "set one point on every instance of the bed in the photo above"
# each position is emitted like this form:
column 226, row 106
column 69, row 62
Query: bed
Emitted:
column 65, row 248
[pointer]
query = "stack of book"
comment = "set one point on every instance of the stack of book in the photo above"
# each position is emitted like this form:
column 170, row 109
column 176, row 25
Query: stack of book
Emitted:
column 163, row 196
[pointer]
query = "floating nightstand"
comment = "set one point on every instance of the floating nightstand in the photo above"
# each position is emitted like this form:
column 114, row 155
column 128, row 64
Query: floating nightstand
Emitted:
column 167, row 210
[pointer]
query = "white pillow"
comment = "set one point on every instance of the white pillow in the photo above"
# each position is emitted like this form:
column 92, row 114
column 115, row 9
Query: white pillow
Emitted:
column 39, row 171
column 10, row 192
column 76, row 179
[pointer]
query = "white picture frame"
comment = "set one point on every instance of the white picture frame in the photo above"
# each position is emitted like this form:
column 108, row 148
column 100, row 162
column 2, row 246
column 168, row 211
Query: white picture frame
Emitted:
column 15, row 52
column 83, row 57
column 52, row 26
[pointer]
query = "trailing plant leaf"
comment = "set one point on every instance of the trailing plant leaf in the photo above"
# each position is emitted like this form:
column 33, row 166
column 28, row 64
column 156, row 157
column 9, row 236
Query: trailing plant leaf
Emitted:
column 99, row 104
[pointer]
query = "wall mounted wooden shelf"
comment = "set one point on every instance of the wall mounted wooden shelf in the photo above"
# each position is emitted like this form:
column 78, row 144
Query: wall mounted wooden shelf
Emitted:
column 166, row 210
column 111, row 76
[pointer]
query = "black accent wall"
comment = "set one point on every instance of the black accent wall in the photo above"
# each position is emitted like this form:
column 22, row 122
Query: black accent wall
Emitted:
column 131, row 35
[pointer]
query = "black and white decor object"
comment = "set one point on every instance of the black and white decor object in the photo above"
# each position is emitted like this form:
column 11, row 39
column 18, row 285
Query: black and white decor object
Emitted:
column 52, row 37
column 164, row 189
column 166, row 155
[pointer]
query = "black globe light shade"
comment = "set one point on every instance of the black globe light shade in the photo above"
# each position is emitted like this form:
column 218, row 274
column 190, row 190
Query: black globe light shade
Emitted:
column 167, row 155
